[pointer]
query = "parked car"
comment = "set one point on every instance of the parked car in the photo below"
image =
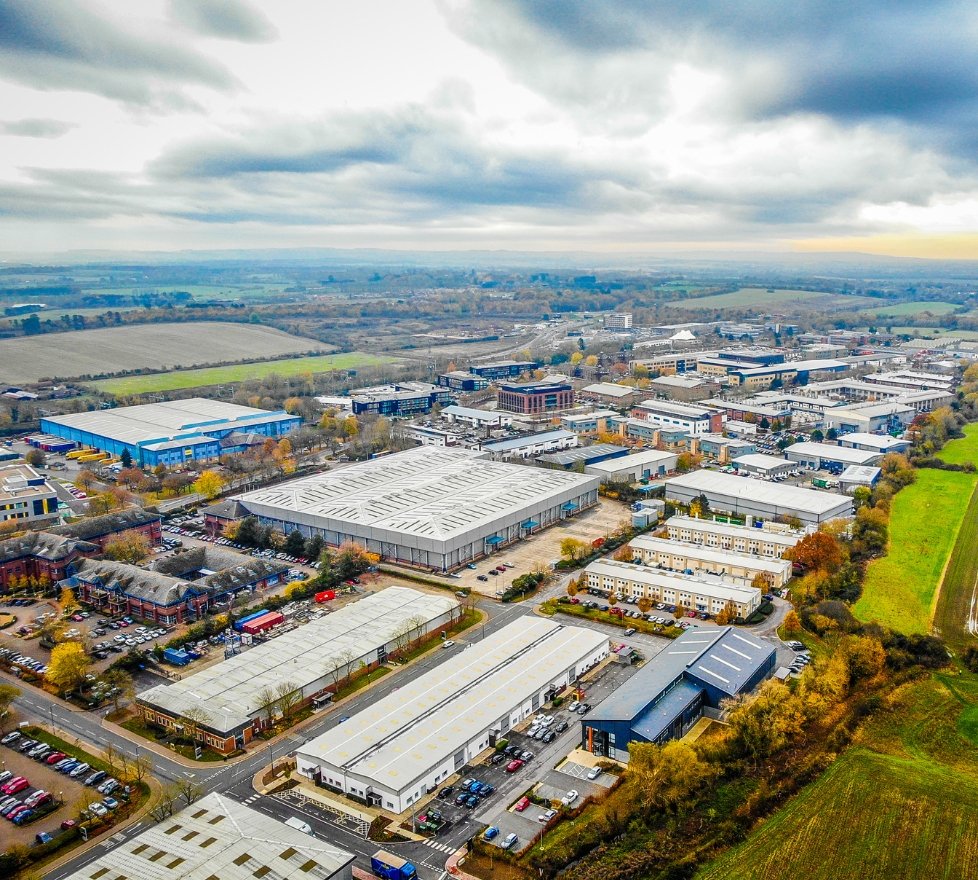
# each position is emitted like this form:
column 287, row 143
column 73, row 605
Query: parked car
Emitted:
column 97, row 810
column 521, row 804
column 546, row 816
column 491, row 832
column 570, row 797
column 510, row 841
column 594, row 772
column 446, row 792
column 514, row 765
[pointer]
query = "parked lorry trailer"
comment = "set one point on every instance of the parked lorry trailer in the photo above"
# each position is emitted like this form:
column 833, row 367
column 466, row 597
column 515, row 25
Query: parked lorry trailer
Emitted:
column 391, row 867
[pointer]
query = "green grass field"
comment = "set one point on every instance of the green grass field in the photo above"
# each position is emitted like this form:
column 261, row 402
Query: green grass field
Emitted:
column 900, row 310
column 902, row 805
column 956, row 610
column 963, row 449
column 924, row 520
column 933, row 332
column 179, row 379
column 748, row 297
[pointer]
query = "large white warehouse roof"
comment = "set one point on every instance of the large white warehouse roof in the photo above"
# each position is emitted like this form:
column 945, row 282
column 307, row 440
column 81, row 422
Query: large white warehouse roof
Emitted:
column 429, row 493
column 228, row 691
column 397, row 739
column 756, row 492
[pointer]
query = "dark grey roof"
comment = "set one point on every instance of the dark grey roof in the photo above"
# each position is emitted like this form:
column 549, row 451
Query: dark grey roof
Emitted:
column 239, row 438
column 585, row 454
column 657, row 717
column 231, row 570
column 107, row 524
column 133, row 581
column 721, row 657
column 230, row 508
column 42, row 545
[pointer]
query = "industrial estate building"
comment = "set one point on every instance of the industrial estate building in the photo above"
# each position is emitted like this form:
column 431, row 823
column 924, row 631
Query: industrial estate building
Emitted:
column 403, row 746
column 662, row 701
column 882, row 443
column 173, row 432
column 477, row 418
column 535, row 398
column 219, row 837
column 737, row 495
column 459, row 380
column 645, row 464
column 26, row 497
column 399, row 399
column 309, row 661
column 701, row 593
column 582, row 456
column 820, row 455
column 433, row 507
column 503, row 369
column 694, row 420
column 184, row 587
column 772, row 540
column 697, row 559
column 531, row 445
column 763, row 465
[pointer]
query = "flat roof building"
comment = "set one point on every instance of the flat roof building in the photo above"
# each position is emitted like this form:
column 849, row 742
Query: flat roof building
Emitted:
column 169, row 433
column 740, row 568
column 218, row 837
column 883, row 443
column 531, row 445
column 503, row 369
column 535, row 398
column 645, row 464
column 667, row 696
column 403, row 746
column 399, row 398
column 701, row 593
column 459, row 380
column 431, row 507
column 858, row 475
column 820, row 455
column 737, row 495
column 694, row 420
column 610, row 393
column 314, row 658
column 588, row 423
column 477, row 418
column 763, row 465
column 685, row 387
column 583, row 455
column 868, row 418
column 26, row 497
column 773, row 540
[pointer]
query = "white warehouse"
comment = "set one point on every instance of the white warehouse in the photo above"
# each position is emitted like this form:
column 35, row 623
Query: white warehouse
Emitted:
column 767, row 541
column 695, row 593
column 697, row 559
column 402, row 747
column 645, row 464
column 310, row 660
column 755, row 498
column 432, row 507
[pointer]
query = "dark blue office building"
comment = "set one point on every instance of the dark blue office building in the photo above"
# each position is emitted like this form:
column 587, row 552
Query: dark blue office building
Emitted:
column 667, row 696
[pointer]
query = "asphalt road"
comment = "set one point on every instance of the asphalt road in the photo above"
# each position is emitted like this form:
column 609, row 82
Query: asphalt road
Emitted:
column 234, row 779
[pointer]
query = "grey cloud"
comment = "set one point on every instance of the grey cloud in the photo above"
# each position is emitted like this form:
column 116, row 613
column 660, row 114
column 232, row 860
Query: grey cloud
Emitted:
column 60, row 44
column 851, row 60
column 226, row 19
column 36, row 128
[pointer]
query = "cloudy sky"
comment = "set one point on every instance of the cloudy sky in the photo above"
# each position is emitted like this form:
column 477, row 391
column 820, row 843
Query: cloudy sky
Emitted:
column 623, row 126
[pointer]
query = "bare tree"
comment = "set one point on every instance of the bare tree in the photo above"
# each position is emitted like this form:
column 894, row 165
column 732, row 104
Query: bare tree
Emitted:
column 341, row 667
column 163, row 808
column 188, row 790
column 266, row 699
column 193, row 719
column 289, row 695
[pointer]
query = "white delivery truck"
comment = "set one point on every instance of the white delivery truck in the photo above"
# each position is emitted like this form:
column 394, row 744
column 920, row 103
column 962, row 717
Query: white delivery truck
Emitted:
column 295, row 822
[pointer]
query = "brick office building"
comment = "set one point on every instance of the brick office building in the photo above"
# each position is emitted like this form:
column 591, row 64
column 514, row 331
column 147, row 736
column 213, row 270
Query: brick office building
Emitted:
column 535, row 398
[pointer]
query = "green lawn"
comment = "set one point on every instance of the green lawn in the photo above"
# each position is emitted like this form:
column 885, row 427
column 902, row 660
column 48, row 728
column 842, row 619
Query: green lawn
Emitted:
column 955, row 614
column 180, row 379
column 964, row 449
column 924, row 520
column 900, row 310
column 903, row 805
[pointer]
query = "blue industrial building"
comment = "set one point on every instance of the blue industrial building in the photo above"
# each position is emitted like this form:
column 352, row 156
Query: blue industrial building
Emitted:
column 662, row 701
column 171, row 433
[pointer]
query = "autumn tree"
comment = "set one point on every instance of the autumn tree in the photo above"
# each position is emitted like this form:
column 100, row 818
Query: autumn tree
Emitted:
column 8, row 693
column 766, row 723
column 669, row 775
column 818, row 551
column 69, row 603
column 573, row 549
column 68, row 666
column 209, row 484
column 624, row 554
column 792, row 623
column 130, row 477
column 761, row 582
column 120, row 684
column 727, row 614
column 612, row 600
column 645, row 604
column 130, row 546
column 572, row 588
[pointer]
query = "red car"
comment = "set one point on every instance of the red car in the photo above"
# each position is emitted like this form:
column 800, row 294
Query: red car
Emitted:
column 16, row 785
column 53, row 759
column 513, row 766
column 68, row 823
column 522, row 804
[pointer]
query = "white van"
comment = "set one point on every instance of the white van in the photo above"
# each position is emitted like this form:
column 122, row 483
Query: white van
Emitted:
column 295, row 822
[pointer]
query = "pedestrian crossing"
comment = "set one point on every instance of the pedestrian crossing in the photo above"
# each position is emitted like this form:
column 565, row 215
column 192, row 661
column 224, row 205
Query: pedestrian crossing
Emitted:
column 441, row 847
column 252, row 799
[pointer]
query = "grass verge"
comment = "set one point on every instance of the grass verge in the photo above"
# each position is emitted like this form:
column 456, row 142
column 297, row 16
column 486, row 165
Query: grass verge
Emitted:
column 925, row 517
column 359, row 683
column 158, row 735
